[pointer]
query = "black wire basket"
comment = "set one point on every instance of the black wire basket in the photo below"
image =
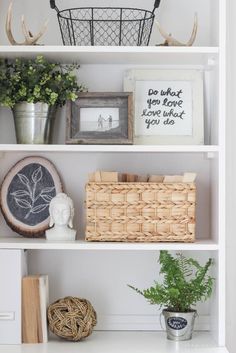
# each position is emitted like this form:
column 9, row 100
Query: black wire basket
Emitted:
column 105, row 25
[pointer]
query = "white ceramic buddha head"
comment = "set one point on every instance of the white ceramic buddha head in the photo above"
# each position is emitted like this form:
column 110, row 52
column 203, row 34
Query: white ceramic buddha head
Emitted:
column 61, row 211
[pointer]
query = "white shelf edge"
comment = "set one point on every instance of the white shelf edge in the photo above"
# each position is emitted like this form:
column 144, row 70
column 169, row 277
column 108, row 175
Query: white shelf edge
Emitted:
column 119, row 342
column 107, row 55
column 108, row 148
column 107, row 49
column 42, row 244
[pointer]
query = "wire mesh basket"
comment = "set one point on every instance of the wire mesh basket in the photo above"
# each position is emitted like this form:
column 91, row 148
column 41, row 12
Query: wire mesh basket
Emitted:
column 105, row 25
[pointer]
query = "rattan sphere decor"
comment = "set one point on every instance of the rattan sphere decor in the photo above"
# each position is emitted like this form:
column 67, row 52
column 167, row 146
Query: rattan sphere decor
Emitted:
column 72, row 318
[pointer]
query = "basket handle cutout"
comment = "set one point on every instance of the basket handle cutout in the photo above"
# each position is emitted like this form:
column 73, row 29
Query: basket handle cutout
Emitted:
column 156, row 5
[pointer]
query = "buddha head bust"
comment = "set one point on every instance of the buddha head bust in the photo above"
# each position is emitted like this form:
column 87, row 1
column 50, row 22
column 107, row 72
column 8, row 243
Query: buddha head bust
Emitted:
column 61, row 211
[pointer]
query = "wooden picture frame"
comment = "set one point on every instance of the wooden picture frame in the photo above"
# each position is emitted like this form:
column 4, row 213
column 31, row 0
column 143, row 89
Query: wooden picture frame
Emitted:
column 100, row 118
column 168, row 106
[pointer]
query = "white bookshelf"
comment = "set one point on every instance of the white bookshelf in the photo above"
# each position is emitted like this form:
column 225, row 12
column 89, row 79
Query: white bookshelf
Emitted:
column 133, row 342
column 111, row 148
column 97, row 267
column 42, row 244
column 118, row 55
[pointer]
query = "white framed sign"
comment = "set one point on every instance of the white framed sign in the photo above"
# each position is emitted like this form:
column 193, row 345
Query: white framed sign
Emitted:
column 168, row 106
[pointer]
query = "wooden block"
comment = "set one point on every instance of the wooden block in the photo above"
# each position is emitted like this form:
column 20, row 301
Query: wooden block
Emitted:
column 123, row 178
column 91, row 177
column 142, row 178
column 189, row 177
column 173, row 179
column 109, row 176
column 97, row 176
column 132, row 178
column 155, row 178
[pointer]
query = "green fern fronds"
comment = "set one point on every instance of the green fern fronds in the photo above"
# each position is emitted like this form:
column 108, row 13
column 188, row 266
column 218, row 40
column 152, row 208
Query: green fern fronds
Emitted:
column 185, row 283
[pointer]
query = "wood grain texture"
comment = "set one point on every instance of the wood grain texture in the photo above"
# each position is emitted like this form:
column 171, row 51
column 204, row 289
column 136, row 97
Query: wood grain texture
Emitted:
column 25, row 195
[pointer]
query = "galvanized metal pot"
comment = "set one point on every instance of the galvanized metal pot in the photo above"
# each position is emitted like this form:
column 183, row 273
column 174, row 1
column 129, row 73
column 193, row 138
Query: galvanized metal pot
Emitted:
column 34, row 122
column 179, row 326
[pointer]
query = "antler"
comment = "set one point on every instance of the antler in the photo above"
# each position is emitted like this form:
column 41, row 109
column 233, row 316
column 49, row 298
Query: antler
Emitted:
column 171, row 41
column 29, row 38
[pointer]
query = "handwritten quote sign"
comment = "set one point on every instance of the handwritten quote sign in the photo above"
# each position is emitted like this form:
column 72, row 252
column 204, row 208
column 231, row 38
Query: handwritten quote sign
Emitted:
column 163, row 108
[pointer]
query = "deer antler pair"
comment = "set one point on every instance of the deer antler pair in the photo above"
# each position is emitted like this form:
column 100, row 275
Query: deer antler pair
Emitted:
column 30, row 39
column 171, row 41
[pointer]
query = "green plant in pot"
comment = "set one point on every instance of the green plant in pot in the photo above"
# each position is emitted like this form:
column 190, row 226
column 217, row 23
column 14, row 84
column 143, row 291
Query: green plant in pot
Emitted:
column 33, row 89
column 185, row 283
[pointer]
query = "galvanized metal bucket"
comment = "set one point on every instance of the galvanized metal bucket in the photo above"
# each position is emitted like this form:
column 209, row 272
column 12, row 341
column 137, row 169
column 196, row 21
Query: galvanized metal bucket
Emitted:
column 179, row 326
column 34, row 122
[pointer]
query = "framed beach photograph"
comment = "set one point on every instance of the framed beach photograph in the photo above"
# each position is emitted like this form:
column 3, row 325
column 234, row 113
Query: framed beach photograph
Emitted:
column 168, row 106
column 100, row 118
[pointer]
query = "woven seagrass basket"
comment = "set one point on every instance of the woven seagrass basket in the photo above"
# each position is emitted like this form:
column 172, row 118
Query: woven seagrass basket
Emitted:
column 140, row 212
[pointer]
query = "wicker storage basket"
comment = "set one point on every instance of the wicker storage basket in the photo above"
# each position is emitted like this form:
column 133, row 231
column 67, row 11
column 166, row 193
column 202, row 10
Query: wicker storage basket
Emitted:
column 140, row 212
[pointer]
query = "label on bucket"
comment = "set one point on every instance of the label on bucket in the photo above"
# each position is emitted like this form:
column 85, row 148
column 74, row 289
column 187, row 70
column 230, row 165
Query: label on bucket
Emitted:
column 177, row 323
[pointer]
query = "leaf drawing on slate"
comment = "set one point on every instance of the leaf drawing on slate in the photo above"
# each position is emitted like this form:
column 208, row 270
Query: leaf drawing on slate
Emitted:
column 39, row 208
column 30, row 193
column 23, row 179
column 23, row 203
column 37, row 175
column 46, row 198
column 20, row 193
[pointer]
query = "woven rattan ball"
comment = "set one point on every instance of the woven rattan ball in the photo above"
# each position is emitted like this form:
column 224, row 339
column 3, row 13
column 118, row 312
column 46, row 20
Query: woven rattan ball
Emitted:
column 72, row 318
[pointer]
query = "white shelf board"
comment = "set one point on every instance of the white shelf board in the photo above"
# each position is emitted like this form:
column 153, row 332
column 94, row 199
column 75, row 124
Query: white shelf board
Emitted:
column 42, row 244
column 151, row 55
column 120, row 342
column 109, row 148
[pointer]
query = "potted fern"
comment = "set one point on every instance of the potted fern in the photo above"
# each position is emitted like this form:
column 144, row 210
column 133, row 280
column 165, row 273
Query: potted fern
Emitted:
column 185, row 283
column 33, row 89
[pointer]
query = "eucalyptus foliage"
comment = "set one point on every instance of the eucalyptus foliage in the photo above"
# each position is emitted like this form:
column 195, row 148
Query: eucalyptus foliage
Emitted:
column 185, row 283
column 37, row 80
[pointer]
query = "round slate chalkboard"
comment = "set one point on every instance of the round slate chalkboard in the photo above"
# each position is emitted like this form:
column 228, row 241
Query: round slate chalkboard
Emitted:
column 26, row 193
